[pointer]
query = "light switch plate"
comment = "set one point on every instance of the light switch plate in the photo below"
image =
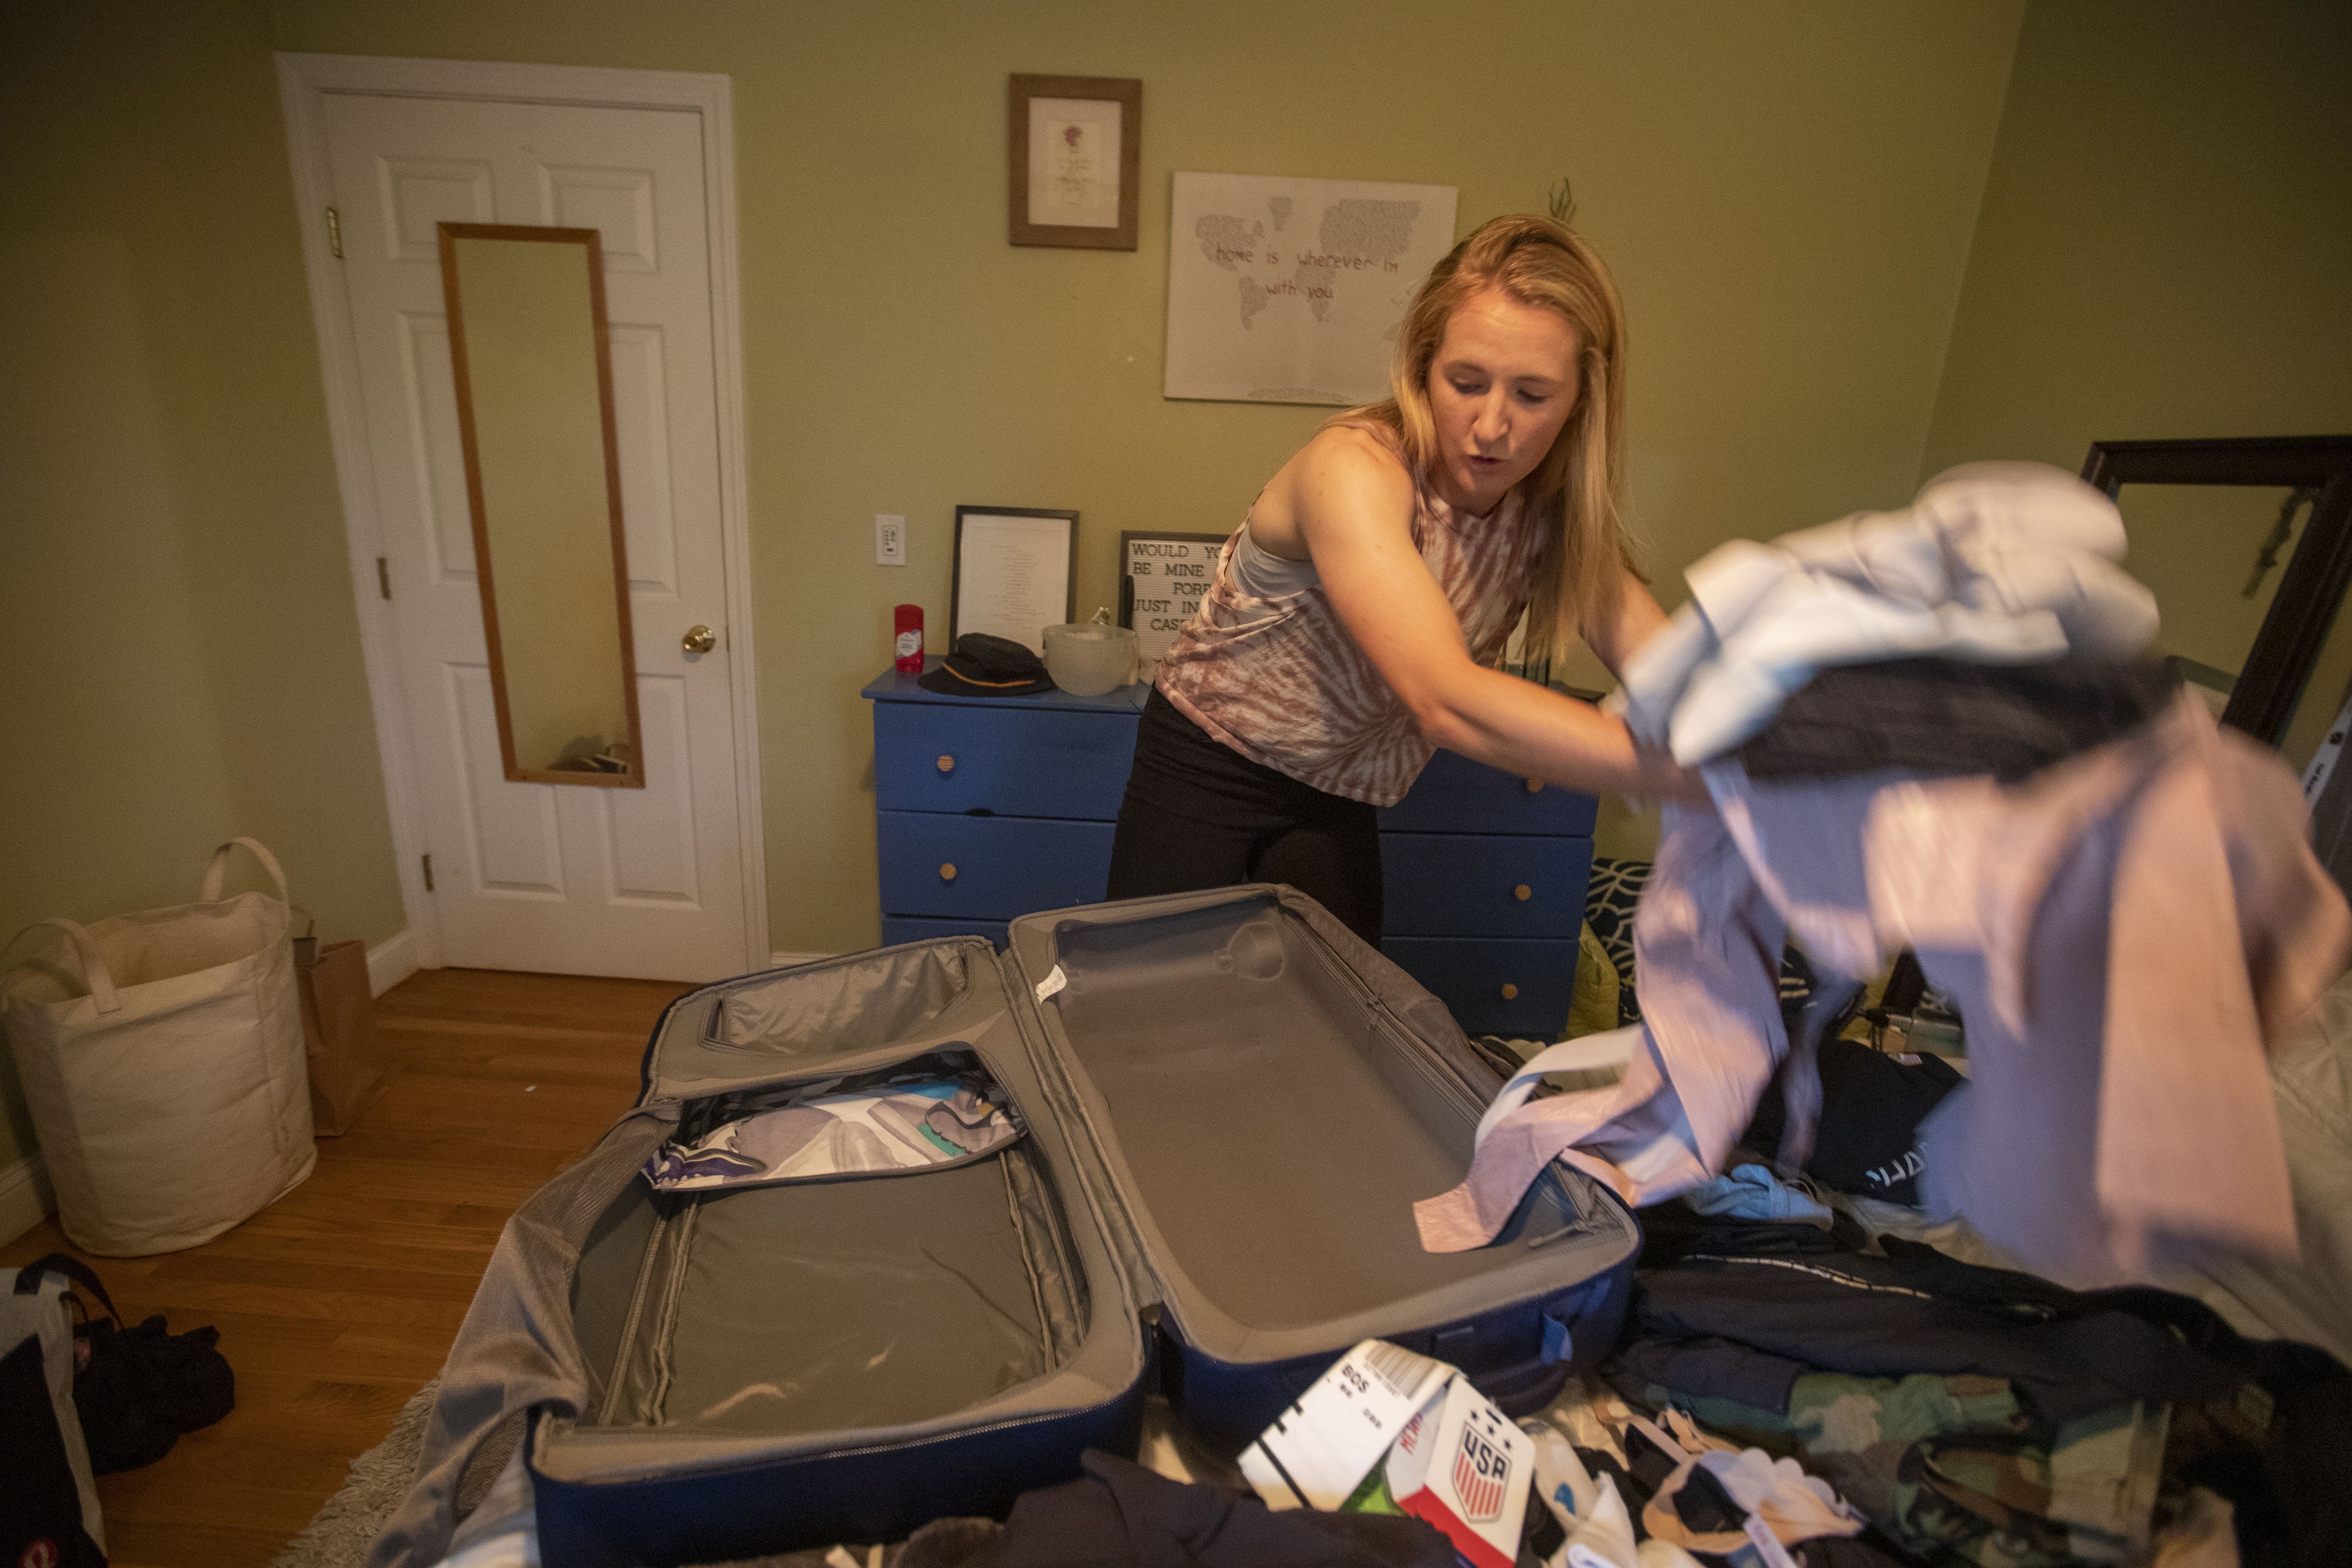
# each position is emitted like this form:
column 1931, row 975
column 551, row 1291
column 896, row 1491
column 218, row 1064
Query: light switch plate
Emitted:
column 890, row 538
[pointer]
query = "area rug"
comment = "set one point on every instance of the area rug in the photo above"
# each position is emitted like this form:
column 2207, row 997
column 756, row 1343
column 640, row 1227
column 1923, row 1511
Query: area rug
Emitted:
column 347, row 1524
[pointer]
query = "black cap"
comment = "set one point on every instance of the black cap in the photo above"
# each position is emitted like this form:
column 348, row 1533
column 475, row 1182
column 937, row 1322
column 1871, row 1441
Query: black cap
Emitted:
column 980, row 665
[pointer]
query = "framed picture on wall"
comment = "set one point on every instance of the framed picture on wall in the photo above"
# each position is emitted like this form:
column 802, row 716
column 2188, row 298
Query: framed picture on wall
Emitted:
column 1161, row 577
column 1074, row 143
column 1015, row 573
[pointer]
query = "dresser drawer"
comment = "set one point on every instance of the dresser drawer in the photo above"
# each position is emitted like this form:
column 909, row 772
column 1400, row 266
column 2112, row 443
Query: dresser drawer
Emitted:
column 989, row 868
column 938, row 756
column 1493, row 986
column 1455, row 795
column 900, row 929
column 1470, row 884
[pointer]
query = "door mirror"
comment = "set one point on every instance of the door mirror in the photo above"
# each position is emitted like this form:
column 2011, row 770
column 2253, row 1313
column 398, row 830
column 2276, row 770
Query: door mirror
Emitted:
column 528, row 342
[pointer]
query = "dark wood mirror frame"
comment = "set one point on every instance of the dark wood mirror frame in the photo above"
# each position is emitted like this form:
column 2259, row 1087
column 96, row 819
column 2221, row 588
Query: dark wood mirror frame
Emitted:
column 2296, row 626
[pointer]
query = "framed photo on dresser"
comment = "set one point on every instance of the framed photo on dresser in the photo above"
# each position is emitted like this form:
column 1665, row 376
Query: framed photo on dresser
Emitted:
column 1014, row 572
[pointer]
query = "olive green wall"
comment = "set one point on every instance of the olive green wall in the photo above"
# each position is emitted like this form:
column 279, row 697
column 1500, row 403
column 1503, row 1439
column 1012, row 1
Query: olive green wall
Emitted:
column 2166, row 249
column 178, row 652
column 1785, row 195
column 1791, row 196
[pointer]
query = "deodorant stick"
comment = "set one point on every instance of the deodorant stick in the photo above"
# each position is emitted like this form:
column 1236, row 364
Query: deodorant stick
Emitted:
column 910, row 639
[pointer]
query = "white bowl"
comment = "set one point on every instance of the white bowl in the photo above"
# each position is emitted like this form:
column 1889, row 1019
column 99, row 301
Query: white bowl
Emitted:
column 1088, row 659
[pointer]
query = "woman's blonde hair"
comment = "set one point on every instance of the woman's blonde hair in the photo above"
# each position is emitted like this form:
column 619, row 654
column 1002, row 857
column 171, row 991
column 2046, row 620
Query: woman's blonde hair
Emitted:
column 1578, row 490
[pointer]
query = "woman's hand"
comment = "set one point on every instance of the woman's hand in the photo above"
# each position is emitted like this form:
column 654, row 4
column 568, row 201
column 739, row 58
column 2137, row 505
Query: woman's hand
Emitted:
column 1665, row 779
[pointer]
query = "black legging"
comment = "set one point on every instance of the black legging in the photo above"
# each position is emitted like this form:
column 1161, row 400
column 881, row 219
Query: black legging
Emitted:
column 1198, row 814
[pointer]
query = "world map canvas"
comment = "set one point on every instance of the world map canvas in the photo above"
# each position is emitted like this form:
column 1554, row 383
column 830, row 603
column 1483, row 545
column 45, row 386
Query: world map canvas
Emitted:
column 1283, row 290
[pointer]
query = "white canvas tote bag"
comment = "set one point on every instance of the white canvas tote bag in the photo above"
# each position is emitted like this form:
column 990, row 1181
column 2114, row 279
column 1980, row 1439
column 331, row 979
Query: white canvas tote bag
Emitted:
column 162, row 1059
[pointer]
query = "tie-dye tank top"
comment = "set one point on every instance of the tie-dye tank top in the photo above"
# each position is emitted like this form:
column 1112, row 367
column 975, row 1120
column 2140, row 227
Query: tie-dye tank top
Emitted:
column 1282, row 683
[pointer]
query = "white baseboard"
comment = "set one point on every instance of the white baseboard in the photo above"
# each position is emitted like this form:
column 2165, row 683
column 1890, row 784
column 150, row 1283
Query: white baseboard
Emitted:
column 26, row 1199
column 392, row 960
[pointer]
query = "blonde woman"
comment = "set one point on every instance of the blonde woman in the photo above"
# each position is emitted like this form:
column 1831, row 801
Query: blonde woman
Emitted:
column 1358, row 614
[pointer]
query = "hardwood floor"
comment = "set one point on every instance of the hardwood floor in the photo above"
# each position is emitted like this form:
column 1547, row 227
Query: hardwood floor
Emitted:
column 337, row 1303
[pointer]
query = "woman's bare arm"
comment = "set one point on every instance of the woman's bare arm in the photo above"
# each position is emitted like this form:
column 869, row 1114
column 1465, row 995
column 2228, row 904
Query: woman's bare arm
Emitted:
column 1351, row 503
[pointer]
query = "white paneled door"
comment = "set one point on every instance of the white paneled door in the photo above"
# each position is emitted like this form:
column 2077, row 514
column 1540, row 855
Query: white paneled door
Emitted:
column 646, row 882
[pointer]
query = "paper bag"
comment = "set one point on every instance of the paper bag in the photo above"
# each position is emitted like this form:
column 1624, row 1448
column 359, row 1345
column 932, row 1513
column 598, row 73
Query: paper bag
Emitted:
column 338, row 1032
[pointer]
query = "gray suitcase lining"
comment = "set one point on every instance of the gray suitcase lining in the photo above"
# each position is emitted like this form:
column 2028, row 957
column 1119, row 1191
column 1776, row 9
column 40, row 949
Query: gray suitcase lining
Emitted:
column 808, row 1308
column 1283, row 1131
column 820, row 1306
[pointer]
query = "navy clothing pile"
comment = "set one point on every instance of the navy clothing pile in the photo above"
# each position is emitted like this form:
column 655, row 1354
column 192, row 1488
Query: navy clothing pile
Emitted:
column 1867, row 1141
column 1982, row 1415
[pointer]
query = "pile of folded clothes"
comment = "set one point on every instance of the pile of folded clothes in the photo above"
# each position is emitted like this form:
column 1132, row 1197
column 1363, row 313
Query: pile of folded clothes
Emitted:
column 1928, row 729
column 1932, row 731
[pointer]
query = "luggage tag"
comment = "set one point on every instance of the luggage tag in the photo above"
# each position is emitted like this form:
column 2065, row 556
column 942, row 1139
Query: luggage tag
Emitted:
column 1317, row 1452
column 1052, row 983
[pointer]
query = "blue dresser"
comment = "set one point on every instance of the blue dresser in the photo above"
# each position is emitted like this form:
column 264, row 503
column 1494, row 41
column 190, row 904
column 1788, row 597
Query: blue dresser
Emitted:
column 991, row 807
column 1483, row 876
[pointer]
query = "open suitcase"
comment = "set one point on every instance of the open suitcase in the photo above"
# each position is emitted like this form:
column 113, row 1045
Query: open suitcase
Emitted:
column 1230, row 1104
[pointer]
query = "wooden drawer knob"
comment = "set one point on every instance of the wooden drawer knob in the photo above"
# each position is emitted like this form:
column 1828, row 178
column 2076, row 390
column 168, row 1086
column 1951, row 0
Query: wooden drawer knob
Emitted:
column 947, row 764
column 1510, row 992
column 1523, row 893
column 946, row 872
column 1535, row 786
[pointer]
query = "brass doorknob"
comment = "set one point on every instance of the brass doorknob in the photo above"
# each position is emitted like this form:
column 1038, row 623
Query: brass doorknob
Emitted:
column 947, row 871
column 699, row 640
column 947, row 764
column 1510, row 992
column 1523, row 893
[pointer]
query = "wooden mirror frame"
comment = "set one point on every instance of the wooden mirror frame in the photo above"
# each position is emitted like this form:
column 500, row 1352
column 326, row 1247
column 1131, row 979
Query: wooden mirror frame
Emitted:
column 2296, row 624
column 592, row 239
